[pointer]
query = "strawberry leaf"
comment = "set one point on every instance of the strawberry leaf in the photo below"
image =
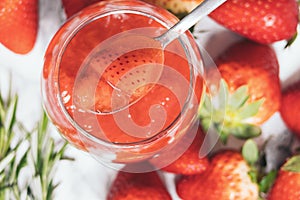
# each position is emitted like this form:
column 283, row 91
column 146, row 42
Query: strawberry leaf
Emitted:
column 267, row 181
column 206, row 123
column 223, row 94
column 238, row 98
column 293, row 164
column 245, row 131
column 291, row 40
column 223, row 134
column 253, row 175
column 250, row 152
column 206, row 108
column 228, row 113
column 249, row 110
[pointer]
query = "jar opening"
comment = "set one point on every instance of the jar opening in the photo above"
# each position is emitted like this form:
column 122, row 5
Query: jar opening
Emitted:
column 84, row 93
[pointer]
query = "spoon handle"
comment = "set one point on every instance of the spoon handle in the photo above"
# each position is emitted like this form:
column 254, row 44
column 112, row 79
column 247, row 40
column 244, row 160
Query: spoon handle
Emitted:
column 202, row 10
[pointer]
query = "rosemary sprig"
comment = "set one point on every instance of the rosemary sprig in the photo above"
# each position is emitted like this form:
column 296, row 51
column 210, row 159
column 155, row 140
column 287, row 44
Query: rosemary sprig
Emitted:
column 12, row 156
column 32, row 152
column 44, row 157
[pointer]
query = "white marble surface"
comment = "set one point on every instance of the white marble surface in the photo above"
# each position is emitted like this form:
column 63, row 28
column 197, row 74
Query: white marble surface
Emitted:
column 85, row 178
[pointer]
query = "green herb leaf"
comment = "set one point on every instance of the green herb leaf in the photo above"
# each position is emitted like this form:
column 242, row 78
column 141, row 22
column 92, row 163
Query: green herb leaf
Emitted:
column 38, row 153
column 8, row 153
column 22, row 163
column 7, row 160
column 11, row 114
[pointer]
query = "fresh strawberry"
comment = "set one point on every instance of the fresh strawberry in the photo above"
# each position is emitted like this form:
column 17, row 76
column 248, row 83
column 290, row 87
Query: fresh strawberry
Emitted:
column 138, row 186
column 256, row 66
column 290, row 107
column 287, row 183
column 73, row 6
column 252, row 85
column 19, row 24
column 264, row 21
column 190, row 162
column 178, row 7
column 227, row 178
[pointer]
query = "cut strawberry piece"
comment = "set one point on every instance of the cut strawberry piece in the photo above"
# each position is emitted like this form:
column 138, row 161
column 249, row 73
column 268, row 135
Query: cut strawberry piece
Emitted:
column 19, row 24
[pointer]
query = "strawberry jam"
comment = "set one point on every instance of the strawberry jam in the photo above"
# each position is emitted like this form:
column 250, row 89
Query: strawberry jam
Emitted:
column 121, row 107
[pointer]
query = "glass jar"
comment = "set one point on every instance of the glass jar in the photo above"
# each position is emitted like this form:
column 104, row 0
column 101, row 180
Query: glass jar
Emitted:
column 151, row 126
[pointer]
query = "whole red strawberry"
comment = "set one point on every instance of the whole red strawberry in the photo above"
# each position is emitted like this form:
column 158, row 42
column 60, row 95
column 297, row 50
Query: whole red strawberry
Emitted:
column 138, row 186
column 256, row 66
column 190, row 162
column 251, row 74
column 264, row 21
column 290, row 107
column 227, row 178
column 73, row 6
column 19, row 24
column 287, row 183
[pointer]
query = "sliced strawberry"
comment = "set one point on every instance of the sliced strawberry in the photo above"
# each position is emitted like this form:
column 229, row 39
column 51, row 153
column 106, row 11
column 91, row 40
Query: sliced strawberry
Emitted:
column 138, row 186
column 264, row 21
column 19, row 24
column 130, row 75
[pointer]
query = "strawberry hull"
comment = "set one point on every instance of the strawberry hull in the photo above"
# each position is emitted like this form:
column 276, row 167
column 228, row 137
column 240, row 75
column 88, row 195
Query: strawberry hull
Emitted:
column 255, row 66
